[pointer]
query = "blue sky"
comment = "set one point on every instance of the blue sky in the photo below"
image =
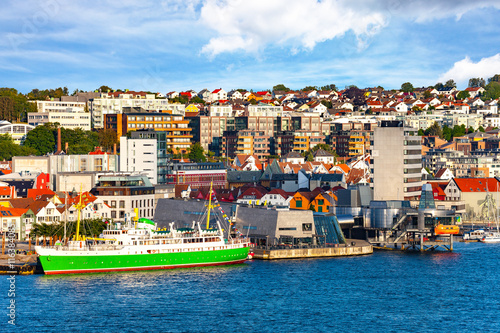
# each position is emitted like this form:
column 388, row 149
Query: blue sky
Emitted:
column 195, row 44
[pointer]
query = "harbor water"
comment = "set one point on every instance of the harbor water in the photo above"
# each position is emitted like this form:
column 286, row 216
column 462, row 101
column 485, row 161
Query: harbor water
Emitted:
column 388, row 291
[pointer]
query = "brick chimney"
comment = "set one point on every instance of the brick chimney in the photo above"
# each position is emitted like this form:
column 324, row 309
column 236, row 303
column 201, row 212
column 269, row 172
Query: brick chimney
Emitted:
column 114, row 149
column 58, row 139
column 66, row 148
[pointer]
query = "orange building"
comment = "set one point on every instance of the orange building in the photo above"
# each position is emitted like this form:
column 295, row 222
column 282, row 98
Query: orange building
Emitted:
column 178, row 134
column 305, row 140
column 317, row 201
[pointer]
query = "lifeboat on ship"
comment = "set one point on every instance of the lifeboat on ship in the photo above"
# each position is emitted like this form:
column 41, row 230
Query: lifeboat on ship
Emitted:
column 443, row 229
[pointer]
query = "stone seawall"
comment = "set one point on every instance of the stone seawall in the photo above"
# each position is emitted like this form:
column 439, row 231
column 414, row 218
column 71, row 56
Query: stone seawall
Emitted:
column 360, row 249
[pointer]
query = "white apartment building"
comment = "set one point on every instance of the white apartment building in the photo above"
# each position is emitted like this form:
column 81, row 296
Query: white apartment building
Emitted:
column 139, row 155
column 492, row 120
column 468, row 120
column 55, row 165
column 113, row 103
column 423, row 121
column 69, row 115
column 124, row 192
column 397, row 162
column 265, row 110
column 17, row 131
column 220, row 110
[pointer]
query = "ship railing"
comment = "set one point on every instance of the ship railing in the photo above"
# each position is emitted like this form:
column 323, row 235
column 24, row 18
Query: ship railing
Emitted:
column 85, row 248
column 237, row 241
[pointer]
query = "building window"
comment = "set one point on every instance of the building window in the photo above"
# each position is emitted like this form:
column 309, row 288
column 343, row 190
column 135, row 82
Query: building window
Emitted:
column 298, row 203
column 306, row 226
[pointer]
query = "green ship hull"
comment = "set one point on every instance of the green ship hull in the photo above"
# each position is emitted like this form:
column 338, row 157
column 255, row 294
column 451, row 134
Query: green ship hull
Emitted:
column 93, row 263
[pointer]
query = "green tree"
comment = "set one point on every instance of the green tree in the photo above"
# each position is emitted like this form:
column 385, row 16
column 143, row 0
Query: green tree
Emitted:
column 107, row 138
column 88, row 228
column 307, row 88
column 309, row 157
column 450, row 84
column 492, row 91
column 42, row 138
column 458, row 131
column 495, row 78
column 447, row 133
column 421, row 132
column 323, row 146
column 330, row 87
column 79, row 141
column 463, row 94
column 438, row 86
column 470, row 129
column 253, row 101
column 327, row 103
column 104, row 89
column 8, row 148
column 435, row 130
column 427, row 94
column 407, row 87
column 481, row 129
column 196, row 153
column 476, row 82
column 280, row 87
column 197, row 100
column 14, row 106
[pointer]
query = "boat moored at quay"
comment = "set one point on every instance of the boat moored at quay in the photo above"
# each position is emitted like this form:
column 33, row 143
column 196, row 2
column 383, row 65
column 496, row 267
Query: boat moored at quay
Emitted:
column 143, row 246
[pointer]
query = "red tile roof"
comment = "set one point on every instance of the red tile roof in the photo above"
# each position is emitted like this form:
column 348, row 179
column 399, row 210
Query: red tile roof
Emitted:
column 5, row 211
column 37, row 193
column 477, row 184
column 20, row 202
column 6, row 191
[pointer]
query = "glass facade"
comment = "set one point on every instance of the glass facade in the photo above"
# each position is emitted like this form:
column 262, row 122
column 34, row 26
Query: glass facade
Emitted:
column 328, row 229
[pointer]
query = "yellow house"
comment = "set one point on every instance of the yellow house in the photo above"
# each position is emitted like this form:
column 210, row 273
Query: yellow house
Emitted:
column 253, row 96
column 192, row 108
column 303, row 107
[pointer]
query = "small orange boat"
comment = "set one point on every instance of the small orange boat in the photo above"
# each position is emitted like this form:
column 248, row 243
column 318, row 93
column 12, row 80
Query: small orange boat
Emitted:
column 442, row 229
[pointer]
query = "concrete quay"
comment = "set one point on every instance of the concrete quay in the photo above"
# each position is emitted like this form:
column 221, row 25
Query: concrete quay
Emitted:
column 360, row 247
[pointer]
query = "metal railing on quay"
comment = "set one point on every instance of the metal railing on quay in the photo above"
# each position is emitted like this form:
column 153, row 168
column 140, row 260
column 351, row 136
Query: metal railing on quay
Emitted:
column 292, row 247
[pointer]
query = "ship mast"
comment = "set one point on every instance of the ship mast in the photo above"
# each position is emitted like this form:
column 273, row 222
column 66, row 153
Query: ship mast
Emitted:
column 79, row 207
column 209, row 205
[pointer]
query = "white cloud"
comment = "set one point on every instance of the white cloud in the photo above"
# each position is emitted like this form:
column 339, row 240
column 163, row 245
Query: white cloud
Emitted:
column 252, row 25
column 465, row 69
column 301, row 24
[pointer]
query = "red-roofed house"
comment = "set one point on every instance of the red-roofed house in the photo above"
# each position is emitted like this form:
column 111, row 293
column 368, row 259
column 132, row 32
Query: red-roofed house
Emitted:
column 473, row 192
column 16, row 217
column 474, row 91
column 252, row 195
column 444, row 173
column 264, row 94
column 438, row 190
column 247, row 162
column 277, row 197
column 218, row 94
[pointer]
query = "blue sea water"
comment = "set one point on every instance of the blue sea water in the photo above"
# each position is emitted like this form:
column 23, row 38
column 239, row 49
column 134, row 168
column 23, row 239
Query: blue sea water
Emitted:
column 384, row 292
